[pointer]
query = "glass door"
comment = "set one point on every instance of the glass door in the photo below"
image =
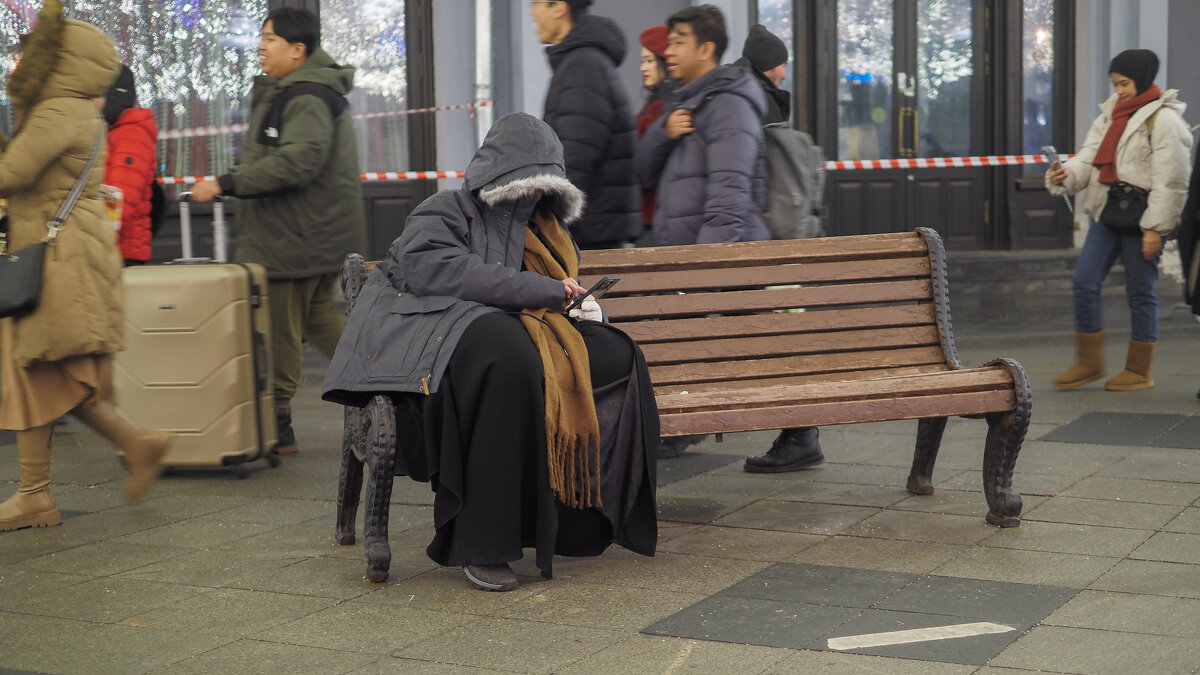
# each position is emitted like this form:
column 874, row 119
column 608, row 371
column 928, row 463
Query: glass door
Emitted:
column 945, row 64
column 905, row 78
column 907, row 82
column 866, row 71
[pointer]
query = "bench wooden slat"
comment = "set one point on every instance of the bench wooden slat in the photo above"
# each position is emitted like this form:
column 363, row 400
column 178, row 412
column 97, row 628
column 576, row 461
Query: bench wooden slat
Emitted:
column 949, row 382
column 795, row 365
column 699, row 304
column 775, row 275
column 799, row 379
column 752, row 254
column 847, row 412
column 786, row 345
column 777, row 323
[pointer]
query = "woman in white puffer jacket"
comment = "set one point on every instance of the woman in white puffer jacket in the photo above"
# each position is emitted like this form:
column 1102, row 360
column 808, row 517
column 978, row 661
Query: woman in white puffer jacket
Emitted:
column 1139, row 139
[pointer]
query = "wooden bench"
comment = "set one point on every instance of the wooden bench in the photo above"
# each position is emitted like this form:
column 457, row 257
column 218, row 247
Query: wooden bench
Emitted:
column 766, row 335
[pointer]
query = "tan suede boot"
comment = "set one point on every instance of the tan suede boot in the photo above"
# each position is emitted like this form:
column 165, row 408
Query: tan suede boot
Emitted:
column 32, row 506
column 143, row 448
column 1136, row 376
column 1089, row 361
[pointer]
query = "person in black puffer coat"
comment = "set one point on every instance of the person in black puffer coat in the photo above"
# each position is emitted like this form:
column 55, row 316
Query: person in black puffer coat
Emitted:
column 587, row 107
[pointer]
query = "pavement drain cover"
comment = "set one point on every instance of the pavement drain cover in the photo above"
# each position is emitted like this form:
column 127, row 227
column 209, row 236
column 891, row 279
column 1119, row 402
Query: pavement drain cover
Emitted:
column 841, row 609
column 1130, row 429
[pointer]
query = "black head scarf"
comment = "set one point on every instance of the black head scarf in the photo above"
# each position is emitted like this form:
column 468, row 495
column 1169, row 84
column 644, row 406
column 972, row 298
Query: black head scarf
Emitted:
column 1139, row 65
column 122, row 96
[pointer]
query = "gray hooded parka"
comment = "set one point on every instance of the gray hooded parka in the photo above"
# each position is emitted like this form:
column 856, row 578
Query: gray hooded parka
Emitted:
column 458, row 258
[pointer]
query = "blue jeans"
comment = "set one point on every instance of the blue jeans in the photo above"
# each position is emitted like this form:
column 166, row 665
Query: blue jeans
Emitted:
column 1100, row 250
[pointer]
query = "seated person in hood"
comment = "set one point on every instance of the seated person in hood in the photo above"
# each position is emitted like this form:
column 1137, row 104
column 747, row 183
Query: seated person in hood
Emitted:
column 532, row 427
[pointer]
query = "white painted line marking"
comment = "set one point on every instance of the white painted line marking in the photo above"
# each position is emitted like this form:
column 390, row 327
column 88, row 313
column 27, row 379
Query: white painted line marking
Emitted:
column 901, row 637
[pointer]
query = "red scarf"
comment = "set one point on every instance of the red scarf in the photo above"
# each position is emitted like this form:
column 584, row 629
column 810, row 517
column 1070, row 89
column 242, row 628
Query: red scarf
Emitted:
column 1106, row 156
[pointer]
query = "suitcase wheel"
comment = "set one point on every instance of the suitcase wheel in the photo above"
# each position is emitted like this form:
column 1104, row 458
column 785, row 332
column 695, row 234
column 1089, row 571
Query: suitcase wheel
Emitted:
column 273, row 460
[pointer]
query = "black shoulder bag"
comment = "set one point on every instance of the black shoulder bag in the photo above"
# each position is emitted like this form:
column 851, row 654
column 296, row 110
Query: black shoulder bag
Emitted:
column 1123, row 211
column 21, row 271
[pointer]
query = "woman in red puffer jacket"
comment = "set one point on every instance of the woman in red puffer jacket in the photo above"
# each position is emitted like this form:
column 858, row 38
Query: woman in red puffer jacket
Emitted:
column 132, row 157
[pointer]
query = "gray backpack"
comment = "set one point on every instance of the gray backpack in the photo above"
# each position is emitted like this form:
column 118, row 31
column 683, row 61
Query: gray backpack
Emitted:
column 795, row 183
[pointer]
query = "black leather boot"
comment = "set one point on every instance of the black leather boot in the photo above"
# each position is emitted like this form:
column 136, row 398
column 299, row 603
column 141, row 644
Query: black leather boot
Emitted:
column 793, row 450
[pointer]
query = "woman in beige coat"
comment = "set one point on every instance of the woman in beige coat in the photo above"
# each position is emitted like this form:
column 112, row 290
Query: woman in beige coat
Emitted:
column 56, row 360
column 1139, row 139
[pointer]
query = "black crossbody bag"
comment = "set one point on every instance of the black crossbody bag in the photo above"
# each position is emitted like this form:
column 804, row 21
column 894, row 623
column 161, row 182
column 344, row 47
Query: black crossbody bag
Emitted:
column 1123, row 211
column 21, row 271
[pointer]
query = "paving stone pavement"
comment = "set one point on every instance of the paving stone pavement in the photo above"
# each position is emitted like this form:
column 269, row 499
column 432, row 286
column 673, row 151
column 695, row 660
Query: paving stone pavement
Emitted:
column 755, row 573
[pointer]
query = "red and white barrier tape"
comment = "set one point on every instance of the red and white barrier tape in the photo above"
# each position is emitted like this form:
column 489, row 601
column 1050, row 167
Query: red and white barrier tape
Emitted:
column 412, row 175
column 920, row 163
column 937, row 162
column 367, row 177
column 241, row 128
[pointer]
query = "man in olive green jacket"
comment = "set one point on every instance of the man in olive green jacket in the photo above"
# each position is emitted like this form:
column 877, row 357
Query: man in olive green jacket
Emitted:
column 298, row 177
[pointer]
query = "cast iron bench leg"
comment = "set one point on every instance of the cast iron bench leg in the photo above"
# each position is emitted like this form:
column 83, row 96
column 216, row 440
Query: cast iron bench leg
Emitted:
column 381, row 463
column 1006, row 433
column 929, row 440
column 351, row 476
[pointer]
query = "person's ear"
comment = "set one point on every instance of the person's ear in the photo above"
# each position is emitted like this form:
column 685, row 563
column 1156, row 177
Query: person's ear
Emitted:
column 708, row 51
column 297, row 50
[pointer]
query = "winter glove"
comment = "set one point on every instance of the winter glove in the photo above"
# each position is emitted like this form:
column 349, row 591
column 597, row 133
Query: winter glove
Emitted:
column 588, row 310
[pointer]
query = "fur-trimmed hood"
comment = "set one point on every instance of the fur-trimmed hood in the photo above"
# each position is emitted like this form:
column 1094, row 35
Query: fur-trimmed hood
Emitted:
column 521, row 156
column 64, row 58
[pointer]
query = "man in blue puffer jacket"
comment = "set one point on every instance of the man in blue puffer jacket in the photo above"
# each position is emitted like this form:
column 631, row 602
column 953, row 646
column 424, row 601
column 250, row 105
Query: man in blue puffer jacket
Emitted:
column 707, row 157
column 708, row 160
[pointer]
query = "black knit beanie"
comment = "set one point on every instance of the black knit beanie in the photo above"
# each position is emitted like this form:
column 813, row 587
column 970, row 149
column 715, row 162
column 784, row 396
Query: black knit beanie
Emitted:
column 764, row 49
column 1139, row 65
column 121, row 96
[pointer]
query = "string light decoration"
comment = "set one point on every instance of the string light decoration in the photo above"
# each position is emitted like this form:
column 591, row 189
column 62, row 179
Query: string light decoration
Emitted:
column 195, row 61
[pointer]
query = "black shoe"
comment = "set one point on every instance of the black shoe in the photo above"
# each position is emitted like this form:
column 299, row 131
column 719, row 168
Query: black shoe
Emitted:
column 793, row 450
column 675, row 445
column 491, row 577
column 285, row 438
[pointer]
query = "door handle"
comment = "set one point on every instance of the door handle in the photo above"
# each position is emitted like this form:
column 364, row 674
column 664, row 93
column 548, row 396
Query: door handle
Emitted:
column 906, row 133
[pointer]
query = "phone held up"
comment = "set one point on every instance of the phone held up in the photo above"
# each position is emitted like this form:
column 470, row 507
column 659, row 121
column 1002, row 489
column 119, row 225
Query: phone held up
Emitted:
column 1052, row 155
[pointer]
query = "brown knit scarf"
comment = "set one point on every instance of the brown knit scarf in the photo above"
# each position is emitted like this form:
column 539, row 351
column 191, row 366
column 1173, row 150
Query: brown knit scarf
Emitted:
column 572, row 432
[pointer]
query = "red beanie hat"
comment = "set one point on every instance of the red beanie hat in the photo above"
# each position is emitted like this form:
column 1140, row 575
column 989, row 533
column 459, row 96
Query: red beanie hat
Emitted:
column 655, row 39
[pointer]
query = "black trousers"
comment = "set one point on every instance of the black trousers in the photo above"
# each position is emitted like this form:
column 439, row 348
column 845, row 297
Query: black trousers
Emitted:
column 482, row 436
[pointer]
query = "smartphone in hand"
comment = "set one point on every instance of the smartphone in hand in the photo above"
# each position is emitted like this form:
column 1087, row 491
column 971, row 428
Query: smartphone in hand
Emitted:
column 598, row 289
column 1054, row 157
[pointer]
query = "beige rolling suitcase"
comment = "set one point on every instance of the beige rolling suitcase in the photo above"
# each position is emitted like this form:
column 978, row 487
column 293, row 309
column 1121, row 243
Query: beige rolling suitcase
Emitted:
column 197, row 359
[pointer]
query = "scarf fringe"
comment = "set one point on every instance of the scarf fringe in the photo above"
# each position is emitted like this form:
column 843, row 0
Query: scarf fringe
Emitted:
column 575, row 471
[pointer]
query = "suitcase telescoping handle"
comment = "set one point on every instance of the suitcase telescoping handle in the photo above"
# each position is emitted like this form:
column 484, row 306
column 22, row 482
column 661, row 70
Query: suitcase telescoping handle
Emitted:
column 220, row 230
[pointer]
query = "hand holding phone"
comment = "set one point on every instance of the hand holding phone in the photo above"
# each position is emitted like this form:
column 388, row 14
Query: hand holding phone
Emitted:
column 1056, row 168
column 598, row 289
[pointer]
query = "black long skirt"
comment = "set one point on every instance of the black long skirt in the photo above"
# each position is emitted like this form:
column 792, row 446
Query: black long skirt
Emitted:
column 480, row 441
